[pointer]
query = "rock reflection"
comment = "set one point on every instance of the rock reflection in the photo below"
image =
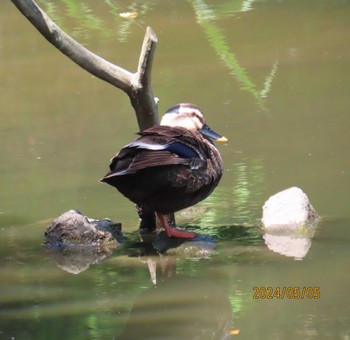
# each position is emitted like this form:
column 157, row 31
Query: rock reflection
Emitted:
column 77, row 261
column 289, row 221
column 290, row 246
column 75, row 242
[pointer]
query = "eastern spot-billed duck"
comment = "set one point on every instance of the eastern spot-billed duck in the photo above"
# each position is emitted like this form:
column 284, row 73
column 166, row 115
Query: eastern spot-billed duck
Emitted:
column 171, row 166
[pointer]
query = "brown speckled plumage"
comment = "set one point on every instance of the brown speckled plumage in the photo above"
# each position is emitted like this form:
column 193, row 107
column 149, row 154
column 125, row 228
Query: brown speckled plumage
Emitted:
column 168, row 168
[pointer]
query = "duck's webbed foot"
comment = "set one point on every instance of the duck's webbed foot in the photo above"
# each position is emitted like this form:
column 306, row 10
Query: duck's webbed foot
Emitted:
column 174, row 232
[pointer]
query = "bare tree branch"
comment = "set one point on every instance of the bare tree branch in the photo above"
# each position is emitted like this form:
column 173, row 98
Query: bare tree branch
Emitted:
column 142, row 98
column 136, row 85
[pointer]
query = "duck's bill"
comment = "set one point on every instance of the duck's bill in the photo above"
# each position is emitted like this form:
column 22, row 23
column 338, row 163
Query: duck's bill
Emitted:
column 208, row 132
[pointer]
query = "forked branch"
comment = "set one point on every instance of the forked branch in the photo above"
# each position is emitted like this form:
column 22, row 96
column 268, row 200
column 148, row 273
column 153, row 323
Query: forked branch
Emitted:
column 136, row 85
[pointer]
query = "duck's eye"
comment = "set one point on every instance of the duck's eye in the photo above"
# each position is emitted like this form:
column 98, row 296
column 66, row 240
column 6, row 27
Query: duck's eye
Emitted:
column 193, row 114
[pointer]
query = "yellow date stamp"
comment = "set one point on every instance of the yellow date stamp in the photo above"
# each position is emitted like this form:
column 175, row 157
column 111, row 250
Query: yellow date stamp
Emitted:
column 290, row 293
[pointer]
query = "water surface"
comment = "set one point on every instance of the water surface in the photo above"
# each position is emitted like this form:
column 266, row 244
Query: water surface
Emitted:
column 273, row 77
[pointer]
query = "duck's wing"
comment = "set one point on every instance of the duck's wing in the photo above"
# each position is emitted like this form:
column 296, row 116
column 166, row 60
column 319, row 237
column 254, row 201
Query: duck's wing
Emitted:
column 180, row 141
column 156, row 147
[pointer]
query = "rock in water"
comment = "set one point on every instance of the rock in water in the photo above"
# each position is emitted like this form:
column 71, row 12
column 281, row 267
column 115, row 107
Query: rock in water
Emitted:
column 289, row 222
column 75, row 241
column 74, row 230
column 288, row 210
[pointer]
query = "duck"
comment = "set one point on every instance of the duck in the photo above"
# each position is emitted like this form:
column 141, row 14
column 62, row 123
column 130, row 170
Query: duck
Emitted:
column 170, row 166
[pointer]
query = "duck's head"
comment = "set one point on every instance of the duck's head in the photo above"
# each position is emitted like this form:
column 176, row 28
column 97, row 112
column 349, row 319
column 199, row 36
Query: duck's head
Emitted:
column 190, row 117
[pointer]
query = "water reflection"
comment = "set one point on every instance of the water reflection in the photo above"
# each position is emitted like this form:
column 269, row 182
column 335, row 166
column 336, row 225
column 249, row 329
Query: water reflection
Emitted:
column 77, row 259
column 76, row 262
column 237, row 203
column 290, row 246
column 205, row 16
column 87, row 21
column 294, row 243
column 309, row 114
column 178, row 306
column 159, row 296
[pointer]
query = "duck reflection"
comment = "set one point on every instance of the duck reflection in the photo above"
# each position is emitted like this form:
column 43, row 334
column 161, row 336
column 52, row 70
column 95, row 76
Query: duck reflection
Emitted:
column 178, row 306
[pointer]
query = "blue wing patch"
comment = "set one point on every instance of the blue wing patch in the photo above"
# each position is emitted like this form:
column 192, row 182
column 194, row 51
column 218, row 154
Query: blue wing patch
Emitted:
column 181, row 150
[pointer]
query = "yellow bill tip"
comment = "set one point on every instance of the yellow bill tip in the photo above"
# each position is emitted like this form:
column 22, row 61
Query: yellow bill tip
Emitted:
column 222, row 139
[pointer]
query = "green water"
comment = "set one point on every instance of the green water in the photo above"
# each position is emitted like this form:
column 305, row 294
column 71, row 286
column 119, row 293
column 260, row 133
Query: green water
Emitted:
column 273, row 77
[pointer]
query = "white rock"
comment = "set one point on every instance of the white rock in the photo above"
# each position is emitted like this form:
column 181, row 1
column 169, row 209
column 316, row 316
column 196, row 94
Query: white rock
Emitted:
column 289, row 211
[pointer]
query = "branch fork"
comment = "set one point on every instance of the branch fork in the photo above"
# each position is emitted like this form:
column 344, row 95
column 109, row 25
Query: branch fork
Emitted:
column 136, row 85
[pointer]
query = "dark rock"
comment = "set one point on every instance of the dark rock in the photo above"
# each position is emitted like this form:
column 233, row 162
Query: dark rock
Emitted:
column 73, row 230
column 75, row 241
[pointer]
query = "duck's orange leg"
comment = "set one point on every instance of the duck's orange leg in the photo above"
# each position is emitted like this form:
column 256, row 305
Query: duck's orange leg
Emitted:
column 174, row 232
